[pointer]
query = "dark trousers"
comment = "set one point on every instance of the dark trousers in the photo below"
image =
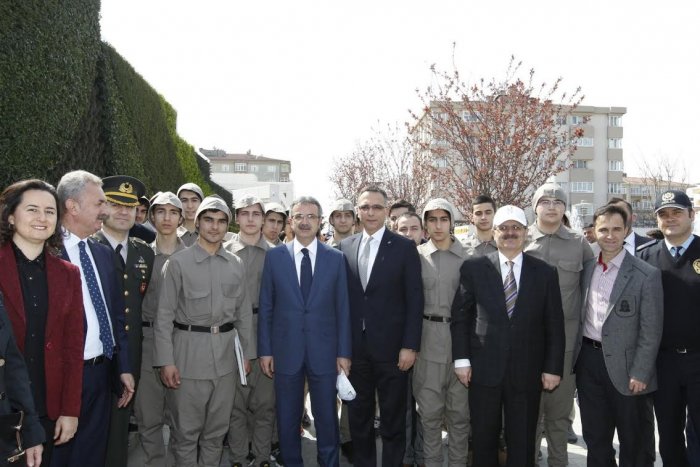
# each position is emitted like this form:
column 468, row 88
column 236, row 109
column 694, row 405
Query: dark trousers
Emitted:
column 693, row 444
column 289, row 392
column 88, row 447
column 679, row 390
column 603, row 409
column 519, row 408
column 390, row 383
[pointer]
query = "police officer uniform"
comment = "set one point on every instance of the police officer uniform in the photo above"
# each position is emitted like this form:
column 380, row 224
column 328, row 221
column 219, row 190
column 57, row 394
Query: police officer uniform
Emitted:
column 133, row 263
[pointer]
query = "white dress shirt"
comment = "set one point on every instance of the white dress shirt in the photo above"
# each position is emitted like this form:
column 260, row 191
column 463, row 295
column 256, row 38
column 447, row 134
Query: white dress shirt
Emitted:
column 93, row 344
column 517, row 268
column 373, row 247
column 298, row 256
column 113, row 243
column 629, row 243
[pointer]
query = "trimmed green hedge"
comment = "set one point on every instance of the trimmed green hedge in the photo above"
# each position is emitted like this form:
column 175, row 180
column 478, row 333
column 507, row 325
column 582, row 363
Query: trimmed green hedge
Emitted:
column 69, row 101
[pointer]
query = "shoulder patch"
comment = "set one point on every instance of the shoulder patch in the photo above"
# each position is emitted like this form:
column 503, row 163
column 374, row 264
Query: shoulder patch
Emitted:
column 647, row 245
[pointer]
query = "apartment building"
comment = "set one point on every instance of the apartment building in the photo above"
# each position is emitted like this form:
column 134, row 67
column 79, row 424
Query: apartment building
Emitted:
column 264, row 177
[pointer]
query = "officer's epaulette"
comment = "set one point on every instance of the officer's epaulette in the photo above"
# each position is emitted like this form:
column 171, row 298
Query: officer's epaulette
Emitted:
column 139, row 242
column 647, row 245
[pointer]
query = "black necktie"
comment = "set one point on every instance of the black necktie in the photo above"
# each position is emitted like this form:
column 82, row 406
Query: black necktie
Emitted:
column 306, row 275
column 678, row 252
column 118, row 250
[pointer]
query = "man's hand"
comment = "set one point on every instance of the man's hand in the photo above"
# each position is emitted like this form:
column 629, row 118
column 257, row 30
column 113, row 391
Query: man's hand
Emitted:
column 407, row 358
column 33, row 455
column 246, row 366
column 65, row 429
column 267, row 365
column 550, row 382
column 343, row 364
column 464, row 375
column 170, row 376
column 129, row 386
column 637, row 386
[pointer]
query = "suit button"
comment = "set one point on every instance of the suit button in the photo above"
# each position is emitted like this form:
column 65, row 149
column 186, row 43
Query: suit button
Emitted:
column 126, row 327
column 126, row 310
column 49, row 346
column 126, row 276
column 126, row 293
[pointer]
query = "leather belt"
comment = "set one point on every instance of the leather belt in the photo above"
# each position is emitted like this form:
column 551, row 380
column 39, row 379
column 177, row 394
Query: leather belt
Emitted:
column 680, row 350
column 147, row 324
column 437, row 319
column 94, row 361
column 209, row 329
column 592, row 343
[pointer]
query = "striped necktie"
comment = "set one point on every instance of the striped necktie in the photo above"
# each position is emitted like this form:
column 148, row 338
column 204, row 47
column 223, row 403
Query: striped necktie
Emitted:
column 510, row 288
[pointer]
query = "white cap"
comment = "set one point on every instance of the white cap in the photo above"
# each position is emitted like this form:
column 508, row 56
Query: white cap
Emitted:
column 509, row 213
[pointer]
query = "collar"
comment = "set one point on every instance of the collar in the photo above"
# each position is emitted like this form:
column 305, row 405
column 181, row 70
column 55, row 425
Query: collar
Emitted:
column 630, row 240
column 455, row 248
column 200, row 254
column 562, row 232
column 378, row 235
column 313, row 246
column 179, row 245
column 71, row 240
column 113, row 243
column 684, row 245
column 616, row 261
column 517, row 261
column 22, row 258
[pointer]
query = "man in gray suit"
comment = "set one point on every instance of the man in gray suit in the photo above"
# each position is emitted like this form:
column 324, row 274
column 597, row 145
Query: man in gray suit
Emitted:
column 615, row 352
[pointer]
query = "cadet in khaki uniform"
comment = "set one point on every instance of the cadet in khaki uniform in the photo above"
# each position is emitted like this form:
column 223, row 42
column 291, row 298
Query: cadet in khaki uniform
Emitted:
column 253, row 415
column 202, row 300
column 165, row 214
column 274, row 223
column 133, row 260
column 191, row 196
column 342, row 218
column 439, row 394
column 550, row 240
column 482, row 243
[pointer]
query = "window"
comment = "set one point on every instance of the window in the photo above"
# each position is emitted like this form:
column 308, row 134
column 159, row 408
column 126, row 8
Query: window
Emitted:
column 576, row 119
column 440, row 162
column 580, row 164
column 253, row 168
column 584, row 142
column 560, row 119
column 614, row 120
column 225, row 168
column 582, row 187
column 616, row 166
column 615, row 143
column 583, row 209
column 271, row 168
column 616, row 188
column 284, row 167
column 284, row 178
column 646, row 204
column 470, row 117
column 239, row 167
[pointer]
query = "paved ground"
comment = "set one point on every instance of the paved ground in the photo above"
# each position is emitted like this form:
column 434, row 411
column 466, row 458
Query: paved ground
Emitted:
column 577, row 452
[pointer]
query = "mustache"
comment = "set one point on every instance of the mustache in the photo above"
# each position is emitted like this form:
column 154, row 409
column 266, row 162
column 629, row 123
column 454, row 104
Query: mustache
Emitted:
column 102, row 217
column 509, row 237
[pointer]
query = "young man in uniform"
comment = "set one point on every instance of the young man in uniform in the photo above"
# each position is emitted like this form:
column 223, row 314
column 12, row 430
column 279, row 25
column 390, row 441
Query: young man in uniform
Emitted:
column 253, row 414
column 165, row 214
column 133, row 261
column 481, row 243
column 273, row 225
column 342, row 218
column 202, row 300
column 190, row 195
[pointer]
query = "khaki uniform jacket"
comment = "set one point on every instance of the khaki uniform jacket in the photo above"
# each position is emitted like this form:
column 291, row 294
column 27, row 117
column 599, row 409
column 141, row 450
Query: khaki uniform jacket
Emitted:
column 440, row 273
column 475, row 247
column 203, row 290
column 189, row 238
column 149, row 307
column 253, row 257
column 567, row 251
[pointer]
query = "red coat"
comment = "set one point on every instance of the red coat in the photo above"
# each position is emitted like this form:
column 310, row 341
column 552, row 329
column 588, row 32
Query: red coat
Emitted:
column 64, row 339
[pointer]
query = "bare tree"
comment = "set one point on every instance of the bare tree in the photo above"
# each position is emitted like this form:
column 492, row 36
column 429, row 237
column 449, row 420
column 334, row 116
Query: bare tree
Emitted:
column 386, row 159
column 662, row 173
column 501, row 137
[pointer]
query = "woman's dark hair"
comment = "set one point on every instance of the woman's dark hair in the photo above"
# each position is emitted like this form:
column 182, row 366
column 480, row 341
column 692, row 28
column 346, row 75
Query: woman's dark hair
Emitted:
column 12, row 196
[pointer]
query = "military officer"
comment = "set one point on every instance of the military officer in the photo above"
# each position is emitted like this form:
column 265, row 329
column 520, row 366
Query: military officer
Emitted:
column 133, row 260
column 441, row 398
column 202, row 300
column 190, row 195
column 165, row 214
column 253, row 415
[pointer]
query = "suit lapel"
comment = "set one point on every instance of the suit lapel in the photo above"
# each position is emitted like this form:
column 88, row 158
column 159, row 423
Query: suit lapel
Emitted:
column 58, row 287
column 623, row 277
column 494, row 260
column 9, row 276
column 293, row 271
column 353, row 253
column 101, row 265
column 385, row 247
column 319, row 270
column 525, row 287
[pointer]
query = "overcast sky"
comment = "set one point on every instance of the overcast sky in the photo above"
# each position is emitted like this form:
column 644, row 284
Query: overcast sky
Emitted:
column 305, row 81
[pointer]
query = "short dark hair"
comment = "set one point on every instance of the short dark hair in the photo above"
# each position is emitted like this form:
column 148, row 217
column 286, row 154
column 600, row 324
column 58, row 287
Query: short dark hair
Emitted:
column 608, row 210
column 402, row 203
column 617, row 200
column 589, row 226
column 12, row 196
column 655, row 233
column 408, row 215
column 374, row 189
column 481, row 199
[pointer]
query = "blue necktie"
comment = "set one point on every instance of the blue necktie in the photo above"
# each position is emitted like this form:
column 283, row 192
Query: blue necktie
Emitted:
column 677, row 252
column 306, row 276
column 97, row 302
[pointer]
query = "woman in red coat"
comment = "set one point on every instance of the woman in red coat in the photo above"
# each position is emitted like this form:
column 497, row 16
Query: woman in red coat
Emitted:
column 43, row 298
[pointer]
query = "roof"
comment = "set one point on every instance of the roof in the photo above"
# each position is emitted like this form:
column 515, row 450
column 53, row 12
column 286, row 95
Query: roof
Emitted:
column 220, row 155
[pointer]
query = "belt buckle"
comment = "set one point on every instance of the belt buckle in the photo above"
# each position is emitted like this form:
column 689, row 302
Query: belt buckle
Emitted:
column 215, row 329
column 681, row 350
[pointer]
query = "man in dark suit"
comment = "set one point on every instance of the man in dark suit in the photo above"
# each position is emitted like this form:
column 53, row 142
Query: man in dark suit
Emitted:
column 133, row 262
column 621, row 318
column 507, row 340
column 304, row 332
column 386, row 308
column 632, row 239
column 105, row 352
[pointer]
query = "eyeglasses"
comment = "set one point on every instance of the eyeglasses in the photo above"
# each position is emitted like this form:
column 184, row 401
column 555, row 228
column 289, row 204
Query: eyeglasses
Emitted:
column 557, row 203
column 368, row 207
column 308, row 217
column 506, row 228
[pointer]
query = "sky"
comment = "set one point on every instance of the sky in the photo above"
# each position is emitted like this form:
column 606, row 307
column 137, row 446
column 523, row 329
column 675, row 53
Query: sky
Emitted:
column 306, row 81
